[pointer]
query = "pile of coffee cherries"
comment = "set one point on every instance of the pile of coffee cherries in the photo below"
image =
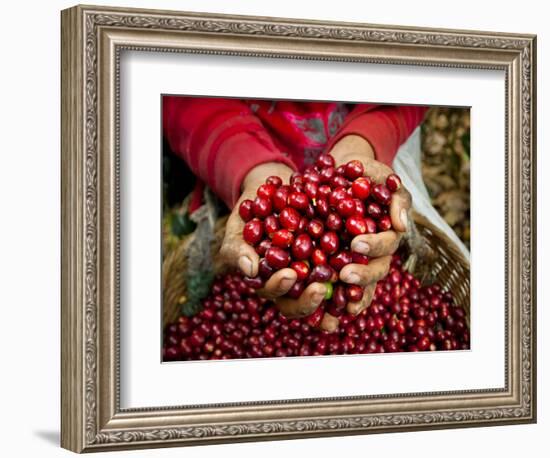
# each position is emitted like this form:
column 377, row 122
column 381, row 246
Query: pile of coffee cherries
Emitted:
column 236, row 323
column 308, row 226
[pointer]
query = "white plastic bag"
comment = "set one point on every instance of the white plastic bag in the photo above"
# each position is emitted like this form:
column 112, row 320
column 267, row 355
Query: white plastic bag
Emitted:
column 407, row 164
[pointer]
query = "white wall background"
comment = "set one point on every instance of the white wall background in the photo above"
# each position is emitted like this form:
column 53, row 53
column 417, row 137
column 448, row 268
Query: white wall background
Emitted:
column 30, row 213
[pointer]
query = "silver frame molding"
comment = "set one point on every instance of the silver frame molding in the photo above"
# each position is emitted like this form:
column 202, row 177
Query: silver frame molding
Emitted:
column 92, row 40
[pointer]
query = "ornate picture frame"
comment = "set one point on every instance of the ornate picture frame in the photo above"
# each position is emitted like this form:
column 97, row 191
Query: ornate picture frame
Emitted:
column 92, row 41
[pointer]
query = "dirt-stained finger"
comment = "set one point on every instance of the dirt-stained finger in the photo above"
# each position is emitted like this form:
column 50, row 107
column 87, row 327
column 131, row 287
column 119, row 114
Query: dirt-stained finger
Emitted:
column 278, row 284
column 305, row 305
column 234, row 250
column 359, row 274
column 400, row 208
column 237, row 253
column 329, row 323
column 376, row 245
column 357, row 307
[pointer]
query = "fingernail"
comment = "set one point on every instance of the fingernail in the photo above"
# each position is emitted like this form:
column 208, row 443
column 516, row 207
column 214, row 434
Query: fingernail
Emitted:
column 353, row 278
column 245, row 264
column 404, row 218
column 286, row 283
column 362, row 247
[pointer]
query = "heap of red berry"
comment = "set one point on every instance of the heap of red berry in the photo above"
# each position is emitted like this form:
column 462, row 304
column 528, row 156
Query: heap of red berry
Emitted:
column 236, row 323
column 308, row 226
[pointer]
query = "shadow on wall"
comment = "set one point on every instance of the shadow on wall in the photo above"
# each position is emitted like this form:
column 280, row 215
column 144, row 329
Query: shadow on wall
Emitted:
column 52, row 437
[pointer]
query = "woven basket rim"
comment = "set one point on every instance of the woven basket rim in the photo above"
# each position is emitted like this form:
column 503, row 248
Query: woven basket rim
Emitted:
column 450, row 243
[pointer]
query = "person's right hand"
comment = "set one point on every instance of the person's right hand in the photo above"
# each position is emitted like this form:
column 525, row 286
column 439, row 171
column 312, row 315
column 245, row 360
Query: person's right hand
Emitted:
column 236, row 252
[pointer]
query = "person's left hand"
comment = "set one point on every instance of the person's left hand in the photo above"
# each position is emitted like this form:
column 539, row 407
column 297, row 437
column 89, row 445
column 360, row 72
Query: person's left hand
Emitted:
column 239, row 254
column 378, row 247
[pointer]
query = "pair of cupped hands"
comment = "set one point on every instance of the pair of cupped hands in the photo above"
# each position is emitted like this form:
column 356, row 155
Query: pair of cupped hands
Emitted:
column 379, row 247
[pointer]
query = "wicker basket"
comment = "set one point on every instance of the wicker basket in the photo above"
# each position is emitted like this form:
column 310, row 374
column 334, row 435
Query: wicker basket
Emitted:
column 174, row 267
column 445, row 265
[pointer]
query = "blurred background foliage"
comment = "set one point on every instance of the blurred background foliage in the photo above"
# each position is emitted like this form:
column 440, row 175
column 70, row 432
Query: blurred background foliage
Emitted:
column 446, row 165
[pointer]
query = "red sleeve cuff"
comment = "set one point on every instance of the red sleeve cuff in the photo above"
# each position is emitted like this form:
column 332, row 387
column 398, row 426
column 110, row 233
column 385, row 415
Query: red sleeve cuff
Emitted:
column 236, row 157
column 385, row 128
column 221, row 140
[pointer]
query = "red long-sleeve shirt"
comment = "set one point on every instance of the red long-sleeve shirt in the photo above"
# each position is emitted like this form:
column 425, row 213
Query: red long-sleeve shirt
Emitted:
column 223, row 139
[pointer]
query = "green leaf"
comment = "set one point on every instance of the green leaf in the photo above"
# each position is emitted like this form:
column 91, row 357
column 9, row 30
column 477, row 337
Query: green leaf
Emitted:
column 182, row 224
column 190, row 308
column 198, row 287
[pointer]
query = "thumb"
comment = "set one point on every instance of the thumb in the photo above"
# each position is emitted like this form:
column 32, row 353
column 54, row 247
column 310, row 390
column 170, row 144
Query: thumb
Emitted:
column 236, row 251
column 399, row 209
column 248, row 260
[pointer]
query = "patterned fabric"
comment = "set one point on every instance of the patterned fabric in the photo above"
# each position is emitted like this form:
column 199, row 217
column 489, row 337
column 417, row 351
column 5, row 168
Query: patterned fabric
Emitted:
column 222, row 139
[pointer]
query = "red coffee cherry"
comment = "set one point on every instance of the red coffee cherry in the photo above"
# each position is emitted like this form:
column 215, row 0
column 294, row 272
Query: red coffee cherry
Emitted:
column 298, row 200
column 322, row 207
column 374, row 210
column 393, row 182
column 371, row 225
column 274, row 180
column 302, row 247
column 382, row 194
column 253, row 232
column 354, row 293
column 271, row 225
column 315, row 228
column 245, row 210
column 266, row 191
column 354, row 169
column 341, row 259
column 262, row 247
column 289, row 218
column 283, row 238
column 324, row 161
column 318, row 257
column 297, row 289
column 356, row 225
column 280, row 197
column 346, row 207
column 329, row 242
column 277, row 257
column 311, row 189
column 359, row 258
column 261, row 207
column 301, row 269
column 336, row 196
column 361, row 187
column 333, row 222
column 384, row 223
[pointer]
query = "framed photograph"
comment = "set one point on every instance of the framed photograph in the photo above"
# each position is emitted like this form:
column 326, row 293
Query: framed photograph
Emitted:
column 277, row 228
